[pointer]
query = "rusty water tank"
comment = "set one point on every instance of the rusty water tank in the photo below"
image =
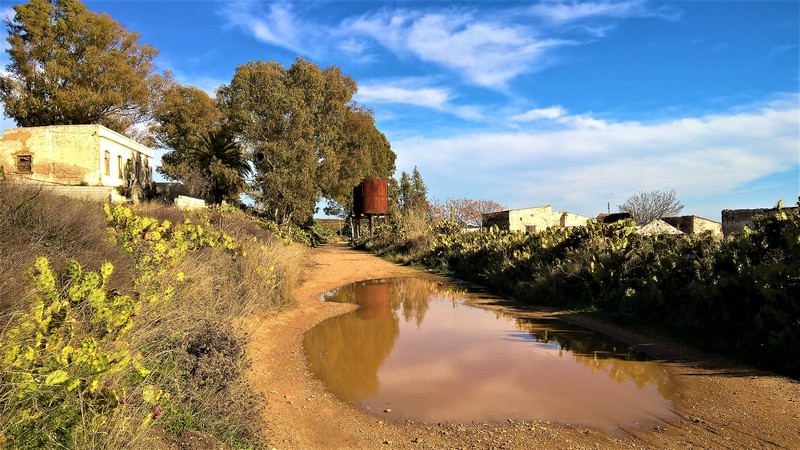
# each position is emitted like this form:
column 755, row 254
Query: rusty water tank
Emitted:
column 371, row 197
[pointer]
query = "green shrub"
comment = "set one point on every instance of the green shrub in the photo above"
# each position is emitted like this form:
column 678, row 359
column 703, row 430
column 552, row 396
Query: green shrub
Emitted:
column 92, row 359
column 68, row 368
column 740, row 295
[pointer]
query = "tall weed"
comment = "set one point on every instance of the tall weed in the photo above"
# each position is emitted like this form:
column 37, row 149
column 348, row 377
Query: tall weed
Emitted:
column 96, row 354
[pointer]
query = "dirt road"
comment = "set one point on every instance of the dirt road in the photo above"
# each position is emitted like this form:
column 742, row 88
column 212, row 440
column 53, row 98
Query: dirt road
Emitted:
column 719, row 405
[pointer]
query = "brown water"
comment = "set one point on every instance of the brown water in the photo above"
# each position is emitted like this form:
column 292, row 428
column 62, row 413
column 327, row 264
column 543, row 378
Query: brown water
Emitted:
column 416, row 348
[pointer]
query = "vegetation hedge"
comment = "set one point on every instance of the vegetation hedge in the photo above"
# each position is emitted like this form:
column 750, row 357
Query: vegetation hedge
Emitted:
column 121, row 326
column 739, row 295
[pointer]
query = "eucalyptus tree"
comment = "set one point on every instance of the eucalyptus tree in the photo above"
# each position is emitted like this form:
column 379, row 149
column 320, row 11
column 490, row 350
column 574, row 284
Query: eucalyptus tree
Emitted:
column 181, row 118
column 69, row 65
column 305, row 135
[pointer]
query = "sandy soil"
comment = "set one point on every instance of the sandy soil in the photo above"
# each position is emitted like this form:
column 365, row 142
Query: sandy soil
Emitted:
column 719, row 404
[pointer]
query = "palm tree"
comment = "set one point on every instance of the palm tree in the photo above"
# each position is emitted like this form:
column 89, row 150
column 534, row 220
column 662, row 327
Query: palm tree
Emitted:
column 219, row 158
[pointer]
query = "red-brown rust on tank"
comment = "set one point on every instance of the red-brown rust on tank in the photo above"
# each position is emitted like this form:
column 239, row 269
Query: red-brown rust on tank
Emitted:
column 372, row 196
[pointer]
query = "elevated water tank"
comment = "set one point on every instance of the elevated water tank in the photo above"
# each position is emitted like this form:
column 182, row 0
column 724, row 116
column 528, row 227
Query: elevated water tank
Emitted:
column 371, row 197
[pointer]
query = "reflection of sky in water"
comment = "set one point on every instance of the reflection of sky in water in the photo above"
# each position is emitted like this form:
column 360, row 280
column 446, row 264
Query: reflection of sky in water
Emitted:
column 415, row 347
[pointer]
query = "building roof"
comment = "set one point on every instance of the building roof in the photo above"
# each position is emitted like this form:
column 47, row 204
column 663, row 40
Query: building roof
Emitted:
column 658, row 226
column 613, row 217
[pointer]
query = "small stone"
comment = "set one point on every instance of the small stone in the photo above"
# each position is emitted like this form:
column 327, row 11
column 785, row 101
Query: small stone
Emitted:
column 417, row 440
column 387, row 410
column 387, row 442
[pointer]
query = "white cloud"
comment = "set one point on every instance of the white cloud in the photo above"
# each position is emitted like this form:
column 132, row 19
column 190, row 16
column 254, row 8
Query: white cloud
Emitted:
column 486, row 50
column 486, row 53
column 357, row 50
column 551, row 113
column 276, row 25
column 425, row 97
column 579, row 167
column 563, row 12
column 468, row 112
column 413, row 92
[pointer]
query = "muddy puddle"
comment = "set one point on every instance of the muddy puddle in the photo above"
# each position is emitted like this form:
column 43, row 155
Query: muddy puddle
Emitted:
column 414, row 348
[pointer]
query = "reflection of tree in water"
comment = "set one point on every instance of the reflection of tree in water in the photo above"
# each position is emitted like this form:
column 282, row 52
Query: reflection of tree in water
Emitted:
column 640, row 372
column 413, row 295
column 409, row 295
column 576, row 339
column 346, row 351
column 600, row 353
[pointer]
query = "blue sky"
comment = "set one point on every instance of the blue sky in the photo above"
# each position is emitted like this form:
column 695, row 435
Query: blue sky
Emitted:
column 574, row 104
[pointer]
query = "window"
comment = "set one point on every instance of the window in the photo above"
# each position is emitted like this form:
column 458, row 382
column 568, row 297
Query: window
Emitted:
column 120, row 173
column 24, row 164
column 107, row 164
column 530, row 229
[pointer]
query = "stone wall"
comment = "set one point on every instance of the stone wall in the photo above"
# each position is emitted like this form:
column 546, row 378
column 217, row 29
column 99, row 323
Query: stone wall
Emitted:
column 496, row 219
column 734, row 220
column 99, row 194
column 89, row 155
column 184, row 202
column 568, row 219
column 530, row 220
column 694, row 224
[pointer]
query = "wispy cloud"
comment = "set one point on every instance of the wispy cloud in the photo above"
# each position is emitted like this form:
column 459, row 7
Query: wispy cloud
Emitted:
column 554, row 112
column 564, row 12
column 579, row 166
column 782, row 49
column 425, row 97
column 486, row 53
column 413, row 92
column 274, row 24
column 485, row 50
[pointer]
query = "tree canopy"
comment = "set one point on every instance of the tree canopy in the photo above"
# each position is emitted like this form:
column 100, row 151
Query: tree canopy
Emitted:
column 306, row 137
column 647, row 206
column 413, row 193
column 219, row 162
column 72, row 66
column 181, row 117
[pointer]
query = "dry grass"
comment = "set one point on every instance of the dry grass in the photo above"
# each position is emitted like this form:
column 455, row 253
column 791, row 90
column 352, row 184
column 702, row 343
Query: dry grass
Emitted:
column 37, row 223
column 195, row 341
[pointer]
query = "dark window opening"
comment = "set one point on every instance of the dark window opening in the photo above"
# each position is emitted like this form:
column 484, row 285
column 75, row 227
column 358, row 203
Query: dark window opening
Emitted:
column 24, row 164
column 107, row 166
column 120, row 174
